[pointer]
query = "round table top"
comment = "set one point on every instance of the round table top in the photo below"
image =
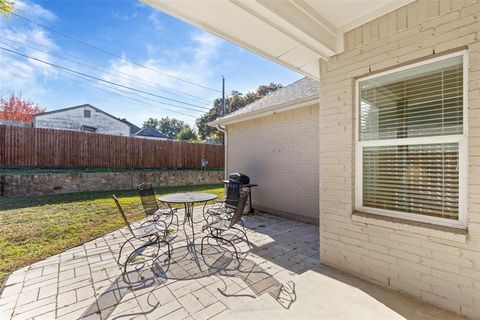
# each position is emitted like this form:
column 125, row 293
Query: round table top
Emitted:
column 188, row 197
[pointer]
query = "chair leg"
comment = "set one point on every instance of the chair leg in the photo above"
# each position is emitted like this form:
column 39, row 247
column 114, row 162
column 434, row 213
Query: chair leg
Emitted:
column 178, row 221
column 203, row 211
column 244, row 230
column 169, row 248
column 226, row 240
column 245, row 234
column 173, row 212
column 201, row 245
column 149, row 243
column 164, row 225
column 121, row 248
column 231, row 243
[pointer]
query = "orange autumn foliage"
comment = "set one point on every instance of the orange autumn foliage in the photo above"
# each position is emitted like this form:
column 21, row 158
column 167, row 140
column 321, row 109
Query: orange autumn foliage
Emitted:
column 17, row 109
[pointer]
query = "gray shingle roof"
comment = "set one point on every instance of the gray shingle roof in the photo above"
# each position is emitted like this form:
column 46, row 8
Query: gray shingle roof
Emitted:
column 133, row 128
column 298, row 91
column 151, row 132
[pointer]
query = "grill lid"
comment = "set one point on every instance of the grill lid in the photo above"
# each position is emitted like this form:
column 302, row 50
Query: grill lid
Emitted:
column 239, row 178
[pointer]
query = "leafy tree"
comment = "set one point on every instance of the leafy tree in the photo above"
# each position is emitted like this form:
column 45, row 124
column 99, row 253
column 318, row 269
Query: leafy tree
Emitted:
column 170, row 126
column 235, row 101
column 187, row 134
column 6, row 7
column 16, row 108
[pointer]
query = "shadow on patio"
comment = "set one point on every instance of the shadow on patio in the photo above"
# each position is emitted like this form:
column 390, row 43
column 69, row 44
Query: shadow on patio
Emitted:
column 279, row 277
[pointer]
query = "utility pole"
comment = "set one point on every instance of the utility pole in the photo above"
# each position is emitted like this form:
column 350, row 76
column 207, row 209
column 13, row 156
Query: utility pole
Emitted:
column 223, row 105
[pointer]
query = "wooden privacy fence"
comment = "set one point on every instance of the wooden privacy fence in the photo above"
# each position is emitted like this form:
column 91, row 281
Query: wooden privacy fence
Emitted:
column 37, row 147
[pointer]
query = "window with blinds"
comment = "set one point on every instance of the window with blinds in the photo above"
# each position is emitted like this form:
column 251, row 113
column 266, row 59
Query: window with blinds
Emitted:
column 410, row 134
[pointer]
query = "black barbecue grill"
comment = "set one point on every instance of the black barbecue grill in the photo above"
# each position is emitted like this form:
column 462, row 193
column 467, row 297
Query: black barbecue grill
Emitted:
column 235, row 183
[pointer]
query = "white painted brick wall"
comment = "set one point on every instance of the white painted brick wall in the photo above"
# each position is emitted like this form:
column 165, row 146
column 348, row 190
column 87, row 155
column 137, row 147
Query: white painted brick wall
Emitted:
column 431, row 263
column 280, row 154
column 73, row 119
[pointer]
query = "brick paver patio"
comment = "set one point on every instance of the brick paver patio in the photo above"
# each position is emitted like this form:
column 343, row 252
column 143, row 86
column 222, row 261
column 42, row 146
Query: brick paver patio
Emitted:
column 270, row 280
column 86, row 282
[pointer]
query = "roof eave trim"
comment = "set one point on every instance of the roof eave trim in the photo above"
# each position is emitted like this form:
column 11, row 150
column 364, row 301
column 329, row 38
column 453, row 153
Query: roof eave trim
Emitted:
column 265, row 112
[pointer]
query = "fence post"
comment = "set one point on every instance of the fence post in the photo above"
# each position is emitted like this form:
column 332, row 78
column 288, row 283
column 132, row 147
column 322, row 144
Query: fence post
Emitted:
column 2, row 185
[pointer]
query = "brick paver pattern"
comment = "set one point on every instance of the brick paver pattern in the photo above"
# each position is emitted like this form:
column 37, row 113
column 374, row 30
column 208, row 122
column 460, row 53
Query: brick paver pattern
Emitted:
column 86, row 282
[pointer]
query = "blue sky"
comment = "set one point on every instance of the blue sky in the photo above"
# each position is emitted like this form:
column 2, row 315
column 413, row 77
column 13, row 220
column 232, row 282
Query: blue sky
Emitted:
column 135, row 32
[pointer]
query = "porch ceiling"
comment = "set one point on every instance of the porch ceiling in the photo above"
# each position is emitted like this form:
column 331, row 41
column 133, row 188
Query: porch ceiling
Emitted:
column 294, row 33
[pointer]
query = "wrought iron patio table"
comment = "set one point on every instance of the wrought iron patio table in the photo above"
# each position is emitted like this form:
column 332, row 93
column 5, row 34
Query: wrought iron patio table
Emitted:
column 188, row 199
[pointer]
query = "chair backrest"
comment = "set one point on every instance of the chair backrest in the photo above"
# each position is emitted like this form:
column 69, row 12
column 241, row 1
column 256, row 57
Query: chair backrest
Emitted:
column 233, row 193
column 237, row 215
column 122, row 213
column 147, row 196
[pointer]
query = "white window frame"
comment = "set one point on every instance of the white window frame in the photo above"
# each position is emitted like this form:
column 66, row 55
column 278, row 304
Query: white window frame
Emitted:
column 461, row 139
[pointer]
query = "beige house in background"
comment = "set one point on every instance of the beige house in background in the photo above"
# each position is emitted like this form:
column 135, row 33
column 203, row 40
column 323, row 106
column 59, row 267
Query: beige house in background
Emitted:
column 398, row 130
column 84, row 118
column 274, row 140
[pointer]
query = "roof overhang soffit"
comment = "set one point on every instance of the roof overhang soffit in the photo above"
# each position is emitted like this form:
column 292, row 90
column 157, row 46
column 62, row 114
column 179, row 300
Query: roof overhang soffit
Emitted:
column 294, row 33
column 283, row 31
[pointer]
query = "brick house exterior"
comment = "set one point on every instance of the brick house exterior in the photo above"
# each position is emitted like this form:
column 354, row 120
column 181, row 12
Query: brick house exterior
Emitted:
column 440, row 265
column 340, row 45
column 263, row 143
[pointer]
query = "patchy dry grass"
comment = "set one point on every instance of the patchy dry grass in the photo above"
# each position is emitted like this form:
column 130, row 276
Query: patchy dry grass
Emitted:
column 33, row 228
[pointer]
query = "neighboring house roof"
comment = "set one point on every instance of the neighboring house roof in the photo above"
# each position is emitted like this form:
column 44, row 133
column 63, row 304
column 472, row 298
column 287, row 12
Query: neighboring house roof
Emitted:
column 297, row 94
column 151, row 132
column 208, row 141
column 133, row 128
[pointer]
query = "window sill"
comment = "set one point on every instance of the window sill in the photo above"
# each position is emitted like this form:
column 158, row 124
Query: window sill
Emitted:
column 425, row 229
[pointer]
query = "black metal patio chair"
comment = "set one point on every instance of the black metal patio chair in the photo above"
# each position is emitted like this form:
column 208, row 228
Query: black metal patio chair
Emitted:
column 151, row 207
column 216, row 229
column 149, row 234
column 225, row 207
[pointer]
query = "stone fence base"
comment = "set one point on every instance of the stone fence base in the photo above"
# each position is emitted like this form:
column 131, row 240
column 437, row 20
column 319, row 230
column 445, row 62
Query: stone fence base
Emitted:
column 14, row 185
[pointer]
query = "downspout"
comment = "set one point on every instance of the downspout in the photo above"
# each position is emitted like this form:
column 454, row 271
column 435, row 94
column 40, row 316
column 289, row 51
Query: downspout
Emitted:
column 224, row 130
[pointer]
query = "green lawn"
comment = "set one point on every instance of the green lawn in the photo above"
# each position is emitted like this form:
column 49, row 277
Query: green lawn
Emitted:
column 33, row 228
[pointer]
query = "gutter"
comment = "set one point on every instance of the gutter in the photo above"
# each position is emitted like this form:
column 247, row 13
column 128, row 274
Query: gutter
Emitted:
column 225, row 144
column 263, row 112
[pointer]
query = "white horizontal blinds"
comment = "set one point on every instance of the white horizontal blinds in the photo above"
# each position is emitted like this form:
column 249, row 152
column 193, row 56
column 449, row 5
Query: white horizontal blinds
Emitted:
column 402, row 171
column 420, row 179
column 418, row 102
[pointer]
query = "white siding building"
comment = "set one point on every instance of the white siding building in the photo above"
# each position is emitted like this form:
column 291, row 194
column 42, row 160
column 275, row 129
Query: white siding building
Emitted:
column 85, row 118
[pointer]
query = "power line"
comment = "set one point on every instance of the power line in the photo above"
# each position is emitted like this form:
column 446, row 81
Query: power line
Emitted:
column 127, row 92
column 130, row 98
column 108, row 52
column 96, row 78
column 71, row 75
column 204, row 109
column 99, row 67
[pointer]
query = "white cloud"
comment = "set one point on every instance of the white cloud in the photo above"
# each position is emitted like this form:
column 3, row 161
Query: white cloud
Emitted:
column 19, row 73
column 155, row 20
column 124, row 17
column 206, row 47
column 33, row 11
column 194, row 62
